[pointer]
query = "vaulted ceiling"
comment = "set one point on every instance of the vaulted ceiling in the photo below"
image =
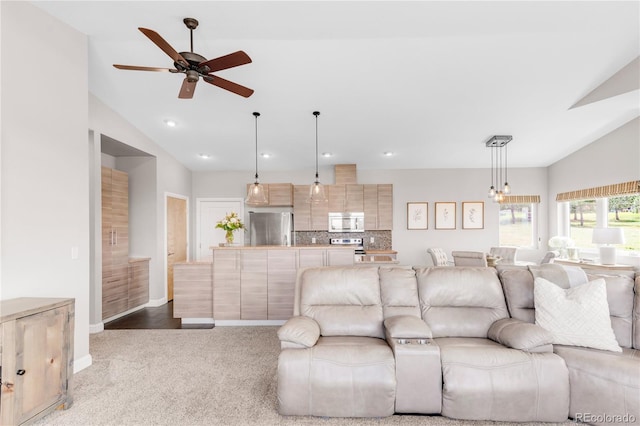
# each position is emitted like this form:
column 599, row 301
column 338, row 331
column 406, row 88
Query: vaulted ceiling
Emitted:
column 428, row 81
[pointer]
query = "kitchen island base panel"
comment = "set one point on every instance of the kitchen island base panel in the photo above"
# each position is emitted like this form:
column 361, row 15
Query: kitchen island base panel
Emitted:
column 234, row 323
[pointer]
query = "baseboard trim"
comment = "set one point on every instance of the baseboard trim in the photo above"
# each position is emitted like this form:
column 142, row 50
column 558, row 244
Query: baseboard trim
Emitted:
column 154, row 303
column 82, row 363
column 96, row 328
column 224, row 323
column 197, row 321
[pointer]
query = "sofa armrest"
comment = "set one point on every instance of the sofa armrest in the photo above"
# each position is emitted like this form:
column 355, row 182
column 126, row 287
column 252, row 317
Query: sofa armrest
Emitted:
column 521, row 335
column 303, row 331
column 406, row 327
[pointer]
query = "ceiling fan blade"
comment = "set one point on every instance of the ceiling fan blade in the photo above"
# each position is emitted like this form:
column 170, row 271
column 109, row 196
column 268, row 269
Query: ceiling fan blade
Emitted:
column 162, row 44
column 227, row 61
column 187, row 89
column 137, row 68
column 228, row 85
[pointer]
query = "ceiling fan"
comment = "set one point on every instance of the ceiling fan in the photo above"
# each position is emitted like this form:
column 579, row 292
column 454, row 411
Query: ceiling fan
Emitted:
column 195, row 66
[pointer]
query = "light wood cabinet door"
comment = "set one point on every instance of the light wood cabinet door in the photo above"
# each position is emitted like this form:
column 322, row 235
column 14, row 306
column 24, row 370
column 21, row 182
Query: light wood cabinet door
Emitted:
column 354, row 198
column 320, row 216
column 385, row 207
column 193, row 290
column 226, row 284
column 37, row 359
column 138, row 283
column 301, row 208
column 280, row 194
column 340, row 257
column 370, row 204
column 281, row 283
column 336, row 195
column 309, row 258
column 115, row 242
column 253, row 285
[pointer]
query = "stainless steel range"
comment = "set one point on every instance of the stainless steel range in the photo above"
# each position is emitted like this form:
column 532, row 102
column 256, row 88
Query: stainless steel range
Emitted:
column 355, row 242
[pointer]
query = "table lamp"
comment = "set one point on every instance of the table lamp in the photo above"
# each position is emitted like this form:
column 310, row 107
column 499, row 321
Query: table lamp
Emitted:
column 608, row 236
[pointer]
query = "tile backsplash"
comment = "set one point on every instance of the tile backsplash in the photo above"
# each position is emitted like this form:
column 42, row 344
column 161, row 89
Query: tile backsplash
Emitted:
column 382, row 239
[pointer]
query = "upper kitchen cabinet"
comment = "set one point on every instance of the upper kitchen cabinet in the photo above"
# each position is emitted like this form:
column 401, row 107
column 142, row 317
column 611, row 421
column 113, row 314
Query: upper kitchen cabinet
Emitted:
column 308, row 216
column 346, row 198
column 378, row 207
column 278, row 194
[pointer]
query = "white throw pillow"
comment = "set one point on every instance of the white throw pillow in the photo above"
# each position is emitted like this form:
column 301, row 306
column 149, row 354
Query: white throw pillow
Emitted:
column 578, row 316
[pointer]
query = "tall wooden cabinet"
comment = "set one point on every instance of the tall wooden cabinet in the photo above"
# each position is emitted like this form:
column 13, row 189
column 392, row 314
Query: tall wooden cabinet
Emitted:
column 115, row 242
column 36, row 347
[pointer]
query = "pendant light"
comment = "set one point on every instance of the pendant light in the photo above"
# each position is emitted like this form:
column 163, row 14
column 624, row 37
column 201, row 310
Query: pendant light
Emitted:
column 316, row 190
column 256, row 195
column 498, row 145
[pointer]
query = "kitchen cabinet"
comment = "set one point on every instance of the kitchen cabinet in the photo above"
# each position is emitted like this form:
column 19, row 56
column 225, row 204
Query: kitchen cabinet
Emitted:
column 226, row 284
column 36, row 347
column 354, row 198
column 192, row 290
column 278, row 194
column 325, row 257
column 378, row 207
column 308, row 216
column 138, row 293
column 253, row 285
column 115, row 242
column 336, row 195
column 281, row 279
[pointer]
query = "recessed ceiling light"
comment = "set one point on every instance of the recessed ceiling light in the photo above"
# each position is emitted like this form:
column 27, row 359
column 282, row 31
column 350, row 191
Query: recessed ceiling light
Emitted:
column 327, row 154
column 265, row 155
column 205, row 156
column 170, row 123
column 388, row 154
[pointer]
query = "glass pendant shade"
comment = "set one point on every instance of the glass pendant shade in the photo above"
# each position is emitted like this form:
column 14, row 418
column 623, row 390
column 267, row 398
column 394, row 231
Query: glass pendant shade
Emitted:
column 499, row 167
column 256, row 194
column 317, row 194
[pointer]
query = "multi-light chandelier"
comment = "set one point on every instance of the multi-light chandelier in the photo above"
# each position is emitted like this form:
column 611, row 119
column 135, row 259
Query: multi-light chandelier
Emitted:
column 498, row 145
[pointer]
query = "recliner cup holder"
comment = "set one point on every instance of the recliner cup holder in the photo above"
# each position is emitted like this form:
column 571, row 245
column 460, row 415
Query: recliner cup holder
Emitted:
column 413, row 341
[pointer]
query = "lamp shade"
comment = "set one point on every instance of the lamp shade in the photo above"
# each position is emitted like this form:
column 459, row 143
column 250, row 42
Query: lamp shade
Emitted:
column 608, row 236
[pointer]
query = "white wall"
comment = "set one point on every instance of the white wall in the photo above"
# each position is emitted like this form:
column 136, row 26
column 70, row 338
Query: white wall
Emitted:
column 45, row 177
column 170, row 176
column 428, row 185
column 614, row 158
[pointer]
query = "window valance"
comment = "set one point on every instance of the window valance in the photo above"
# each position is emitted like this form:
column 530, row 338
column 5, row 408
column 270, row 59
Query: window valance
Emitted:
column 617, row 189
column 520, row 199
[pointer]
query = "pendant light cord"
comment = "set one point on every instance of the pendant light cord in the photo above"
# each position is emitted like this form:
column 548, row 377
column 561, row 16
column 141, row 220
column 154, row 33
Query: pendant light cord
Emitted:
column 316, row 113
column 256, row 115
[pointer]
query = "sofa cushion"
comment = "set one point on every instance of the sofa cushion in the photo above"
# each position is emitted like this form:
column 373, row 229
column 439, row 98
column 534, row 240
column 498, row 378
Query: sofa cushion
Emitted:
column 302, row 331
column 521, row 335
column 603, row 382
column 636, row 315
column 406, row 327
column 344, row 301
column 576, row 316
column 460, row 301
column 484, row 380
column 399, row 292
column 620, row 299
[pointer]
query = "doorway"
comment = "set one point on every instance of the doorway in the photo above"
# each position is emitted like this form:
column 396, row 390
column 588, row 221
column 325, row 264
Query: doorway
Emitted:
column 177, row 241
column 209, row 212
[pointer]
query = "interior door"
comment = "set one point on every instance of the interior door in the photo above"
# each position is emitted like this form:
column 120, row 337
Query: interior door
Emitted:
column 176, row 237
column 210, row 211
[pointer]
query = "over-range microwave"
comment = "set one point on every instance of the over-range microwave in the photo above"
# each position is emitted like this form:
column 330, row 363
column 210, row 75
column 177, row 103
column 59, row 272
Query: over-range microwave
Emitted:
column 346, row 222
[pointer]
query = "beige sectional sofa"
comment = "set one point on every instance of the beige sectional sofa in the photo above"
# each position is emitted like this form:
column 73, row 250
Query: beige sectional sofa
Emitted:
column 460, row 342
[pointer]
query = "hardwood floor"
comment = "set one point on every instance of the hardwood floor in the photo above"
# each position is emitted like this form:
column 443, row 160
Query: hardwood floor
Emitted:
column 160, row 317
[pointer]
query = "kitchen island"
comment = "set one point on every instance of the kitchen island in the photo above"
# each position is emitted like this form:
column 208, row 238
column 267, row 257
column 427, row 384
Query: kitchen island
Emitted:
column 248, row 285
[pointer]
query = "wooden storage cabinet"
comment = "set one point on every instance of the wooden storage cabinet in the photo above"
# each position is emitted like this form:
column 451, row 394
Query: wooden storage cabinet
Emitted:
column 138, row 293
column 308, row 216
column 36, row 346
column 226, row 284
column 278, row 194
column 115, row 242
column 193, row 290
column 253, row 285
column 281, row 283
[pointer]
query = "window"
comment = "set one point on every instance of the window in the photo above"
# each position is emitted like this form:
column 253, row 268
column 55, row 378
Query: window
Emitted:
column 619, row 212
column 518, row 224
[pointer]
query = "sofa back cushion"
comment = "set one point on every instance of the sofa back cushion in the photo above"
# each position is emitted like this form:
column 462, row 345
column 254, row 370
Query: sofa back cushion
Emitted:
column 636, row 314
column 518, row 290
column 345, row 301
column 460, row 301
column 399, row 291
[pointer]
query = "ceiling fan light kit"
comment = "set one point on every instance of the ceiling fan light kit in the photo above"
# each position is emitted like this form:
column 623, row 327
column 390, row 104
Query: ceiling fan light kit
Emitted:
column 194, row 65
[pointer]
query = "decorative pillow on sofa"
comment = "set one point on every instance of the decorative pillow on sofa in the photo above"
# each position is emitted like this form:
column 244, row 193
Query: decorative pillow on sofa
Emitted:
column 578, row 316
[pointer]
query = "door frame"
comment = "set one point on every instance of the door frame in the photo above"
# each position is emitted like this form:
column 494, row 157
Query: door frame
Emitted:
column 166, row 235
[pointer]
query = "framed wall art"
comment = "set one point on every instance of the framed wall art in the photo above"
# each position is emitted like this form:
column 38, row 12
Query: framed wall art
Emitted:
column 473, row 215
column 445, row 215
column 417, row 215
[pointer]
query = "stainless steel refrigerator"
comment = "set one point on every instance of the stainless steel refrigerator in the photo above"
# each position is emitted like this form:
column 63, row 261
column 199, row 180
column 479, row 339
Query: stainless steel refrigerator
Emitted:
column 270, row 229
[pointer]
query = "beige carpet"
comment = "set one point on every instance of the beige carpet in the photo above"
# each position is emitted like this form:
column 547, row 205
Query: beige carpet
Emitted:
column 222, row 376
